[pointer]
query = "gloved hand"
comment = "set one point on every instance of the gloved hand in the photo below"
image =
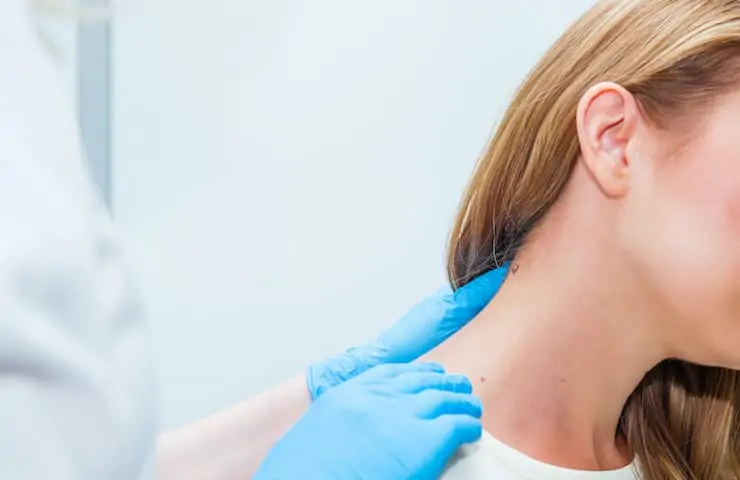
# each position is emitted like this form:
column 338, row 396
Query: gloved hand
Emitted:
column 425, row 326
column 394, row 422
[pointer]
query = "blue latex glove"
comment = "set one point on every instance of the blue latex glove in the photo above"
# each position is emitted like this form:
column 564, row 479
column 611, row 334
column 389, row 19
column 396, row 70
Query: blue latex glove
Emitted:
column 394, row 422
column 425, row 326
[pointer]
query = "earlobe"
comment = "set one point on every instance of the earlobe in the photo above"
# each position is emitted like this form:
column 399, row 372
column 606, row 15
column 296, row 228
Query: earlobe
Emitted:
column 606, row 119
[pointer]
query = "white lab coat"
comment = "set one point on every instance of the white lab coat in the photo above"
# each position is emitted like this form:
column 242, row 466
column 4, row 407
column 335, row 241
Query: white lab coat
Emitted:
column 76, row 386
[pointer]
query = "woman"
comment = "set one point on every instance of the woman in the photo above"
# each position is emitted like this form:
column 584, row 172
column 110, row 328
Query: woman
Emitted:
column 612, row 185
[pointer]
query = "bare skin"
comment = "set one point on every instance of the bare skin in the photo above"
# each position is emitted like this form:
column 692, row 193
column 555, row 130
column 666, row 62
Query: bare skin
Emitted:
column 231, row 445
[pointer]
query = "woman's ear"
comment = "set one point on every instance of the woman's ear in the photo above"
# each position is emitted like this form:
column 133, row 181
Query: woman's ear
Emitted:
column 607, row 118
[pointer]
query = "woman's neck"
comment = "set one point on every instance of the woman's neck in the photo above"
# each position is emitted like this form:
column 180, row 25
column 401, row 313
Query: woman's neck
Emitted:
column 554, row 358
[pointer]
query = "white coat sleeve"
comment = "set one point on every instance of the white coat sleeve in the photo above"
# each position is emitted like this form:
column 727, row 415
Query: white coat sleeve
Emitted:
column 76, row 389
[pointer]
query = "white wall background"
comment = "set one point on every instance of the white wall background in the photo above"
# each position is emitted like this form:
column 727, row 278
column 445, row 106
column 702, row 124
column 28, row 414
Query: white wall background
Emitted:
column 286, row 171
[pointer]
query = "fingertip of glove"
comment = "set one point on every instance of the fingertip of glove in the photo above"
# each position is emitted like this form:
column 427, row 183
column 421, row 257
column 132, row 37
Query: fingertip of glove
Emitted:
column 492, row 280
column 483, row 288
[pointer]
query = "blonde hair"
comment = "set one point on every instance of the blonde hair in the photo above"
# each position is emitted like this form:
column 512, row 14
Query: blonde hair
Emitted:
column 675, row 57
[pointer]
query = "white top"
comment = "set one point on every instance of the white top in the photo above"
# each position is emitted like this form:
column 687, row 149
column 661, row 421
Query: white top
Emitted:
column 490, row 459
column 76, row 384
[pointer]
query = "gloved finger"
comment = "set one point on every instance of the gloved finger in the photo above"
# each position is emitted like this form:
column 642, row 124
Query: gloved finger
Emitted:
column 393, row 370
column 466, row 302
column 458, row 308
column 415, row 383
column 431, row 404
column 462, row 429
column 424, row 327
column 456, row 430
column 475, row 295
column 436, row 318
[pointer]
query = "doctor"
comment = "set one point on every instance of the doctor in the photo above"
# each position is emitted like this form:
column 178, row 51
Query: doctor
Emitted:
column 77, row 395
